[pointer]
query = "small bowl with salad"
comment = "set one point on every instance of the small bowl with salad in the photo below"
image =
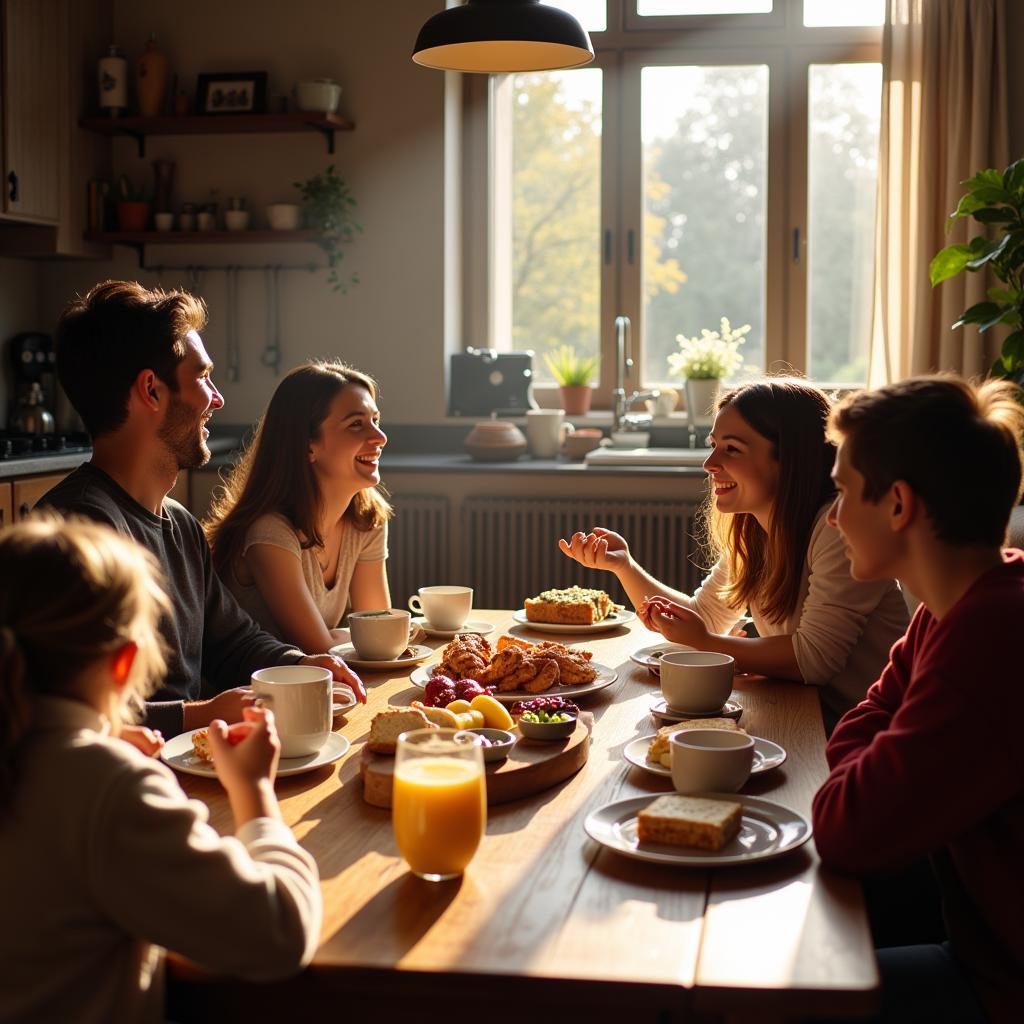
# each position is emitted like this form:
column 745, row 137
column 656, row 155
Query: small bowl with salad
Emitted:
column 546, row 718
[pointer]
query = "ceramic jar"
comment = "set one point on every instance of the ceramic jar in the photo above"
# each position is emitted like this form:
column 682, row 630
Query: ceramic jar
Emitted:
column 151, row 72
column 495, row 441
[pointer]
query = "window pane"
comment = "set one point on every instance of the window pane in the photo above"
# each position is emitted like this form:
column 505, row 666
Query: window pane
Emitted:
column 705, row 138
column 843, row 115
column 591, row 14
column 653, row 8
column 844, row 12
column 556, row 229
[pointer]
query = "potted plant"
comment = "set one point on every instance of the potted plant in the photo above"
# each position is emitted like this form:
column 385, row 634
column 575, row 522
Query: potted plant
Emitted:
column 995, row 199
column 703, row 362
column 132, row 207
column 573, row 374
column 328, row 203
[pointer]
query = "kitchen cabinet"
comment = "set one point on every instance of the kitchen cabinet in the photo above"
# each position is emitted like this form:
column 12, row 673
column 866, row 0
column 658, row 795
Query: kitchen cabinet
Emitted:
column 28, row 490
column 6, row 505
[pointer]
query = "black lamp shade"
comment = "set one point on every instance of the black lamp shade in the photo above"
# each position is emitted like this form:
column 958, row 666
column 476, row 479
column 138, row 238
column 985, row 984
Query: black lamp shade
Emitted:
column 502, row 36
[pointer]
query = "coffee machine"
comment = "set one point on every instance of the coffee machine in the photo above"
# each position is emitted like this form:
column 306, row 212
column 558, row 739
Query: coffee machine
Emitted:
column 34, row 366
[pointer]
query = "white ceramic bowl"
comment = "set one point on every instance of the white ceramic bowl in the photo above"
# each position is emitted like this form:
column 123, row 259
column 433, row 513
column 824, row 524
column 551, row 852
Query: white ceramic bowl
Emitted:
column 236, row 220
column 320, row 94
column 283, row 216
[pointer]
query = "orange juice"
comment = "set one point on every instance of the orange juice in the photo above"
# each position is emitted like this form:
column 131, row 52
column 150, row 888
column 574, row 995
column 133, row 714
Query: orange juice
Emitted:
column 439, row 810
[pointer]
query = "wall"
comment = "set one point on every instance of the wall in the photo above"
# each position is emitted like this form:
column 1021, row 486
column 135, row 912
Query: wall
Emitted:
column 392, row 323
column 18, row 286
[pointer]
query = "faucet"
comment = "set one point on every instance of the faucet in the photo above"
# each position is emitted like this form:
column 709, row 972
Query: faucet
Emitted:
column 622, row 419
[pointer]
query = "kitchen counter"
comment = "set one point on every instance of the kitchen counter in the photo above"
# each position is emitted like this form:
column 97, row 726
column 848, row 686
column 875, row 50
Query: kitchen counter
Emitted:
column 10, row 468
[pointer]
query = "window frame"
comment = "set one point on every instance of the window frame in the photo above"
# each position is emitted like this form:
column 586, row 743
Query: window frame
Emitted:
column 630, row 42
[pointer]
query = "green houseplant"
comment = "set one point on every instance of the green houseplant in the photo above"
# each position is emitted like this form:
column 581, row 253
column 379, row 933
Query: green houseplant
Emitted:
column 573, row 374
column 703, row 362
column 995, row 199
column 328, row 205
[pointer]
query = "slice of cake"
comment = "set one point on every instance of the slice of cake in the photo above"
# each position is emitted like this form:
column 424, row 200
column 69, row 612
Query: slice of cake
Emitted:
column 388, row 725
column 658, row 752
column 689, row 821
column 574, row 606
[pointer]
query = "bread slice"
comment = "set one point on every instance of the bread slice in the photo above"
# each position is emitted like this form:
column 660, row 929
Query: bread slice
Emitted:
column 658, row 752
column 388, row 725
column 575, row 606
column 441, row 717
column 689, row 821
column 201, row 744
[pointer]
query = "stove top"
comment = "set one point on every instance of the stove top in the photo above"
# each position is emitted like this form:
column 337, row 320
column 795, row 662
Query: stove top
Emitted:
column 35, row 446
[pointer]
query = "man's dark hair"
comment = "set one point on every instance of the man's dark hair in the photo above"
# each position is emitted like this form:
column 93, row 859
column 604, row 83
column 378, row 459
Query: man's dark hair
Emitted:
column 957, row 444
column 105, row 339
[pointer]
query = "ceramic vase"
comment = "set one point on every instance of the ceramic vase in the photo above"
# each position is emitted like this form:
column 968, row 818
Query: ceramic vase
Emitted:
column 700, row 400
column 112, row 81
column 576, row 399
column 151, row 73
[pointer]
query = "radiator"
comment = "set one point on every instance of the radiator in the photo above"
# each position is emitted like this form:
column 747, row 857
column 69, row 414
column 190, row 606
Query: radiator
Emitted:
column 418, row 548
column 511, row 545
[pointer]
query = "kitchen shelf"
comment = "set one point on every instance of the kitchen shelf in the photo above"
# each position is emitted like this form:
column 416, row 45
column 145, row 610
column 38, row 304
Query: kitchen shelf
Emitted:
column 139, row 128
column 138, row 240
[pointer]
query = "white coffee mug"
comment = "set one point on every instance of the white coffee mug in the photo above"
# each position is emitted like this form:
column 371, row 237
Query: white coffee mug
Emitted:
column 696, row 681
column 710, row 760
column 546, row 430
column 301, row 697
column 380, row 635
column 443, row 607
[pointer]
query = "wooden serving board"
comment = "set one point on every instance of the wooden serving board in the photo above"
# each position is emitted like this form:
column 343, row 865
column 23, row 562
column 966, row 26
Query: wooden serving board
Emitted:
column 532, row 766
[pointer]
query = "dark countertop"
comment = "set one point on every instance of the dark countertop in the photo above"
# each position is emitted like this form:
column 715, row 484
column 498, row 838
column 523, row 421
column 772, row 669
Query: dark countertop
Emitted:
column 43, row 464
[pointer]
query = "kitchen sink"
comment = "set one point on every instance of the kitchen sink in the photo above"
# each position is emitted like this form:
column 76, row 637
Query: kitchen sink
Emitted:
column 647, row 456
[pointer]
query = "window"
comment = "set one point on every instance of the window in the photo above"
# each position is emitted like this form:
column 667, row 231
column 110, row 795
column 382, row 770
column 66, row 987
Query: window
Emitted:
column 718, row 159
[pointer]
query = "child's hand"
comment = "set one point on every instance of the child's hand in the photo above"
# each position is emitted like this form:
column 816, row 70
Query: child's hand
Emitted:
column 149, row 741
column 247, row 752
column 601, row 549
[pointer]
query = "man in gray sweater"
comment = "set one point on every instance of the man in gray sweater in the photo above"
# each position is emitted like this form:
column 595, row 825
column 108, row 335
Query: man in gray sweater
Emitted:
column 133, row 365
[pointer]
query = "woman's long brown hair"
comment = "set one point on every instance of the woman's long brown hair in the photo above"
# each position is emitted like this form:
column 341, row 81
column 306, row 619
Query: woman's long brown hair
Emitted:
column 275, row 474
column 767, row 567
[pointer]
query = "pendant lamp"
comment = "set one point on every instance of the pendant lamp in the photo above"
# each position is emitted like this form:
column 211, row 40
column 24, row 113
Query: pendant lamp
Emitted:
column 502, row 36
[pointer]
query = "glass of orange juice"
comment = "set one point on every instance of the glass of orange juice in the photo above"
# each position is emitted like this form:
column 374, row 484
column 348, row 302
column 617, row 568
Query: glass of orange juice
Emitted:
column 439, row 801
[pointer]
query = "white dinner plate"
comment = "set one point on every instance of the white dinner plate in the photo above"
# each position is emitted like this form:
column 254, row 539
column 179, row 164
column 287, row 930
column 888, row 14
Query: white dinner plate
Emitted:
column 767, row 755
column 663, row 713
column 411, row 656
column 612, row 621
column 477, row 626
column 650, row 657
column 178, row 754
column 605, row 677
column 767, row 830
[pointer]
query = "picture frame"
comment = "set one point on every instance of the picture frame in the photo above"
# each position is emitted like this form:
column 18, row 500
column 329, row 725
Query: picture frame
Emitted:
column 231, row 92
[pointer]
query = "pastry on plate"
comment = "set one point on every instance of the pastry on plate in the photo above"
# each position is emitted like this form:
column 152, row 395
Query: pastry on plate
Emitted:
column 574, row 606
column 659, row 752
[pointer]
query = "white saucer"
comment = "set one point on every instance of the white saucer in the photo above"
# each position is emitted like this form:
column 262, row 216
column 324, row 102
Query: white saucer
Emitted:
column 767, row 755
column 178, row 754
column 650, row 657
column 611, row 621
column 416, row 654
column 344, row 699
column 473, row 626
column 767, row 830
column 662, row 712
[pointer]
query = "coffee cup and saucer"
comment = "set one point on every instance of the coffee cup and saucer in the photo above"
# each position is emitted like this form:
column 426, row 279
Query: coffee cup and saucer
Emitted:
column 381, row 640
column 695, row 684
column 443, row 612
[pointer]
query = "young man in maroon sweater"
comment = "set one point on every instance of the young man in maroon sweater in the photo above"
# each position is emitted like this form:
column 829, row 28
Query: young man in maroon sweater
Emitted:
column 931, row 762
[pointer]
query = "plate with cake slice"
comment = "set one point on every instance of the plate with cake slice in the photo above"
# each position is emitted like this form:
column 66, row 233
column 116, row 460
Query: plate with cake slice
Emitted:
column 189, row 752
column 572, row 610
column 708, row 830
column 652, row 752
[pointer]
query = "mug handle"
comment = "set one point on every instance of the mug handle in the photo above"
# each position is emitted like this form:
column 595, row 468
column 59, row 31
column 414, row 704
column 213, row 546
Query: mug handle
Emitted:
column 567, row 429
column 414, row 604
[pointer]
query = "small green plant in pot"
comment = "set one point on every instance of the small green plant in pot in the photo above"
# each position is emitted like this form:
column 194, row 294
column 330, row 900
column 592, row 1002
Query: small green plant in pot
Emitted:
column 703, row 362
column 328, row 206
column 573, row 373
column 995, row 199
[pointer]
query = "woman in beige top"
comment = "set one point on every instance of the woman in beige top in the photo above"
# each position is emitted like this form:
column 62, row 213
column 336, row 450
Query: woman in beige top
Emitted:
column 775, row 553
column 106, row 862
column 300, row 533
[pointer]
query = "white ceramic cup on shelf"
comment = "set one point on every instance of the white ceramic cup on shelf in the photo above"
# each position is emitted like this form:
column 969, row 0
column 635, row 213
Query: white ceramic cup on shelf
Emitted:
column 380, row 635
column 696, row 681
column 301, row 697
column 284, row 216
column 546, row 430
column 710, row 760
column 443, row 607
column 163, row 221
column 236, row 220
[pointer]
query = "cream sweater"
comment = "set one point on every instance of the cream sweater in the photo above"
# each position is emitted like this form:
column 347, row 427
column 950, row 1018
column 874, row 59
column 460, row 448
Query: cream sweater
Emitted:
column 842, row 629
column 106, row 863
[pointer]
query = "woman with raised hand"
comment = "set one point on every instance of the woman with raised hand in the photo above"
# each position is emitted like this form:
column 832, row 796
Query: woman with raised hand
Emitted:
column 765, row 522
column 299, row 535
column 106, row 862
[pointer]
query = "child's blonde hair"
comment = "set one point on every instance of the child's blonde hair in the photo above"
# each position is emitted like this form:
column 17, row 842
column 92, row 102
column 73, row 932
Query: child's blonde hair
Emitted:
column 72, row 592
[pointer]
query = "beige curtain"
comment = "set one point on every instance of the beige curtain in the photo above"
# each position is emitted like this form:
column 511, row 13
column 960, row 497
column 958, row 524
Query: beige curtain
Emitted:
column 944, row 117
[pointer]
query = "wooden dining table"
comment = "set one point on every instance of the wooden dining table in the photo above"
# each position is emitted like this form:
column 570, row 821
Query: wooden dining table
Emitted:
column 546, row 923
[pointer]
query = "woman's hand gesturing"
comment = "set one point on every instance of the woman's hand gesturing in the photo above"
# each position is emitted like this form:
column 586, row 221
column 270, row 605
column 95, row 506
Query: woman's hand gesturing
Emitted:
column 601, row 549
column 673, row 622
